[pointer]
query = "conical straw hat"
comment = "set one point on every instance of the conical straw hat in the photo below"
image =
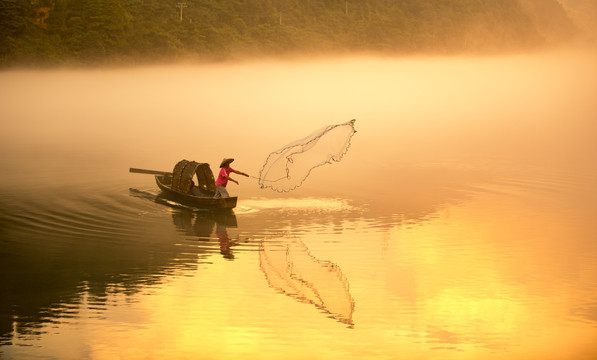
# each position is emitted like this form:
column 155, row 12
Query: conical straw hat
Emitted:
column 226, row 161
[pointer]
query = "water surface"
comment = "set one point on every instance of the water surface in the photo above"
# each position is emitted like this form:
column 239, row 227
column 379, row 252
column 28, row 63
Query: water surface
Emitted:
column 460, row 225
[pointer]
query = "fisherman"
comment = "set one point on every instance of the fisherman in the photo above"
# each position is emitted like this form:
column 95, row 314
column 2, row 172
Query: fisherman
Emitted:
column 224, row 176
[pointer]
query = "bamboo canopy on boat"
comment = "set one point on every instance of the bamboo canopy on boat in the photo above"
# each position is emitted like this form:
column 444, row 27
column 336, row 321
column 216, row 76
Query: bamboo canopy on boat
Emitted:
column 183, row 173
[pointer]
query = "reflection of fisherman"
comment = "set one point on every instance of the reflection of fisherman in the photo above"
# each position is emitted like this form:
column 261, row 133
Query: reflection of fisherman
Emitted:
column 223, row 178
column 224, row 240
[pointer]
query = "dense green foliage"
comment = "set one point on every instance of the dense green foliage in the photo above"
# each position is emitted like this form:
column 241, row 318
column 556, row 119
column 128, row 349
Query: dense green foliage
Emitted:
column 84, row 32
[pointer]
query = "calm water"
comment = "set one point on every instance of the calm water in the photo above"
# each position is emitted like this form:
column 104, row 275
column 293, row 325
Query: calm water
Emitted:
column 460, row 225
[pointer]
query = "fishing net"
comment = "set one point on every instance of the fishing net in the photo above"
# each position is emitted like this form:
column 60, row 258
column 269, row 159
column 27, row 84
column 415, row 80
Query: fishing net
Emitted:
column 286, row 169
column 292, row 270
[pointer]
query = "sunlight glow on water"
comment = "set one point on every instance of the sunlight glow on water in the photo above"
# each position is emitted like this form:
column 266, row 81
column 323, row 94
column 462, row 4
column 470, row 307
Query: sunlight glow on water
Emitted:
column 327, row 205
column 465, row 282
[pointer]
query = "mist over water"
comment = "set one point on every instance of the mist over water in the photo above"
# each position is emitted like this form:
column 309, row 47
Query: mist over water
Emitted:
column 458, row 225
column 535, row 106
column 452, row 119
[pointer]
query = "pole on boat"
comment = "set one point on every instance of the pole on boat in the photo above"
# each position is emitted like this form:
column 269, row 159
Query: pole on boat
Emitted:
column 150, row 172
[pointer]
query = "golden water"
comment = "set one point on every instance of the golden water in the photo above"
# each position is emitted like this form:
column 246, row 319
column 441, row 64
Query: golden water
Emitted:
column 460, row 224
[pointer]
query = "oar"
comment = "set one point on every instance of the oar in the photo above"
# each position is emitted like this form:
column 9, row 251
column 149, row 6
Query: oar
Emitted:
column 150, row 172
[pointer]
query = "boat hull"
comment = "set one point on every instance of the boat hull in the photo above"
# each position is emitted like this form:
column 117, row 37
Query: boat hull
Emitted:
column 202, row 202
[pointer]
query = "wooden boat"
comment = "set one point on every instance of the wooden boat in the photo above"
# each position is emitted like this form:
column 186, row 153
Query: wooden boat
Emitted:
column 164, row 182
column 179, row 186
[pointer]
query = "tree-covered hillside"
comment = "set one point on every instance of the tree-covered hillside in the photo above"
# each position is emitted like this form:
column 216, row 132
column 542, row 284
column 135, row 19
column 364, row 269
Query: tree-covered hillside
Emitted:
column 584, row 15
column 88, row 32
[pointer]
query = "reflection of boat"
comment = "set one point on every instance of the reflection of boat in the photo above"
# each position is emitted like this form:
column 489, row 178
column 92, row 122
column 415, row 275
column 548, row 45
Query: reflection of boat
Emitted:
column 202, row 225
column 180, row 186
column 293, row 271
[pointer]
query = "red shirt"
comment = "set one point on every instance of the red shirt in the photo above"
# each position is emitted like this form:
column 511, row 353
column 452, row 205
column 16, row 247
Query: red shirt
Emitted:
column 224, row 172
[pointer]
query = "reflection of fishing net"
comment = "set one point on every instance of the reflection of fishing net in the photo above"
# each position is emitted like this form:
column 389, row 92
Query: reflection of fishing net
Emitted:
column 292, row 270
column 287, row 168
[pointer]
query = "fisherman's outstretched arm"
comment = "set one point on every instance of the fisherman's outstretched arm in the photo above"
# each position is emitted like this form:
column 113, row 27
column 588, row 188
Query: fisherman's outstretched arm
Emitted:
column 240, row 173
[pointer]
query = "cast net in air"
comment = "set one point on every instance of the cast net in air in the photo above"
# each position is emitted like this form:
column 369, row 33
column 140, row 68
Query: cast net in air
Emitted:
column 287, row 168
